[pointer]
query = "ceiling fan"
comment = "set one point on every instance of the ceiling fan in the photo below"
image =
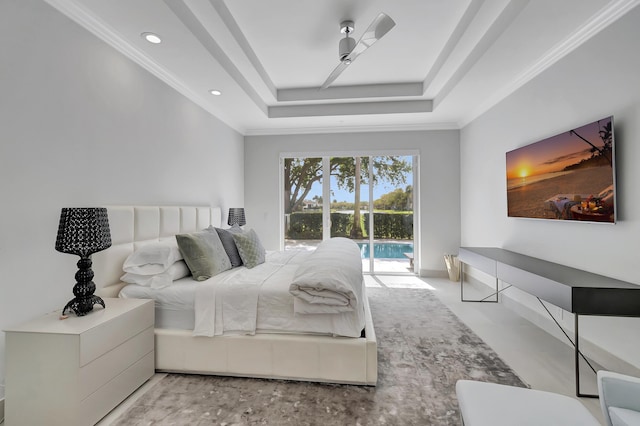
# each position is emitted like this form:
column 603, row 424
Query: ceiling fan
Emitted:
column 349, row 50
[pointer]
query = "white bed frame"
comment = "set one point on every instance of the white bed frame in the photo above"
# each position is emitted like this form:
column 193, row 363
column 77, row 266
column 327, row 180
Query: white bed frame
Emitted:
column 279, row 356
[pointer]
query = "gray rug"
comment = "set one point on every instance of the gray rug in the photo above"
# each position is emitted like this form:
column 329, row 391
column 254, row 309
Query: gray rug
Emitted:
column 423, row 349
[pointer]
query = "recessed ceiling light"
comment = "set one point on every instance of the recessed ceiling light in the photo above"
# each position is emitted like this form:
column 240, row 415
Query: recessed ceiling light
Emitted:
column 215, row 92
column 152, row 38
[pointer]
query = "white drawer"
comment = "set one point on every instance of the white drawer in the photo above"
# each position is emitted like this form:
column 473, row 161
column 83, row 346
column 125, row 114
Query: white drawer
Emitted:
column 99, row 403
column 98, row 340
column 98, row 372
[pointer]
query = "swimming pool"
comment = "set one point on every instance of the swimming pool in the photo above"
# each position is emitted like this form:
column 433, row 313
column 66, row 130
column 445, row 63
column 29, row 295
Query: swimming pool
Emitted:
column 386, row 250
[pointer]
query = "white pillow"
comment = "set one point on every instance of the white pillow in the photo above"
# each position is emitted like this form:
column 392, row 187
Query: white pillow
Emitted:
column 175, row 272
column 153, row 258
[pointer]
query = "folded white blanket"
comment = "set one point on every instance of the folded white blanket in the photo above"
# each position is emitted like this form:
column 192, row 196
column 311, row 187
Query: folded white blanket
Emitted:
column 330, row 281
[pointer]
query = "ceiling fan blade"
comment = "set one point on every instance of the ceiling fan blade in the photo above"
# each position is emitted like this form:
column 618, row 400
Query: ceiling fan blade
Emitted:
column 376, row 30
column 334, row 74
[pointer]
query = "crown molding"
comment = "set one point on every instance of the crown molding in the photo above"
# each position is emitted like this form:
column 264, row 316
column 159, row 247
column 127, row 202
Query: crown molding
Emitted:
column 354, row 129
column 601, row 20
column 452, row 42
column 351, row 92
column 191, row 21
column 236, row 32
column 353, row 108
column 487, row 40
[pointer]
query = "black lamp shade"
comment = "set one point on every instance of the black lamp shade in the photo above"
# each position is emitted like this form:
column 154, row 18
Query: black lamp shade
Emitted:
column 236, row 216
column 83, row 231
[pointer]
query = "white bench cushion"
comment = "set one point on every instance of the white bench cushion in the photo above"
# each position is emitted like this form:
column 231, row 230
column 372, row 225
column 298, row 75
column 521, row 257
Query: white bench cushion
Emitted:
column 491, row 404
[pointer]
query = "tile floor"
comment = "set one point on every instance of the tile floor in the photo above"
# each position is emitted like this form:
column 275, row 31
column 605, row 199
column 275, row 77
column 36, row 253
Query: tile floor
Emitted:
column 541, row 360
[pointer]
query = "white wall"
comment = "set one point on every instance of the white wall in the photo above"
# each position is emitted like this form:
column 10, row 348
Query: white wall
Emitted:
column 600, row 78
column 439, row 182
column 81, row 125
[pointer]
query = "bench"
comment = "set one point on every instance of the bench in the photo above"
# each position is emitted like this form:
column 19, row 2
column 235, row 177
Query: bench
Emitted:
column 410, row 257
column 490, row 404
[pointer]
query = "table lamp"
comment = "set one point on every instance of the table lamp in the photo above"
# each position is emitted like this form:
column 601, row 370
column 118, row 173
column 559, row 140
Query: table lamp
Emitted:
column 236, row 216
column 83, row 231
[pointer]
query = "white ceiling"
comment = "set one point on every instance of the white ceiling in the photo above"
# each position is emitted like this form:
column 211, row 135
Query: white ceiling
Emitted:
column 442, row 65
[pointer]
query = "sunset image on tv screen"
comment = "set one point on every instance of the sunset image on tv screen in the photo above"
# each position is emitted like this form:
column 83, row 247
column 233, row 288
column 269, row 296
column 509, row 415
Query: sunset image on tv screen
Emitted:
column 569, row 176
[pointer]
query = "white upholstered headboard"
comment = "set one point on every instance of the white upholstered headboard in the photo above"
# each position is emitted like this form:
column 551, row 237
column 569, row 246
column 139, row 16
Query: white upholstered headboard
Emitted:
column 134, row 226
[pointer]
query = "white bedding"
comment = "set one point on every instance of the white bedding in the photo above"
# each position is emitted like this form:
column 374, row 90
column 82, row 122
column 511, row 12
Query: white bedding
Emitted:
column 265, row 291
column 174, row 304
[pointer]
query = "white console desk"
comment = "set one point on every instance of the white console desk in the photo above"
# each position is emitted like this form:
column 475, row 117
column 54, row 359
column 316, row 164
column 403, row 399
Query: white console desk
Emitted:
column 574, row 290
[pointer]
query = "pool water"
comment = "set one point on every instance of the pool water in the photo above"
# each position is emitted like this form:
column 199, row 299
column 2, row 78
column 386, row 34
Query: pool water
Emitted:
column 386, row 250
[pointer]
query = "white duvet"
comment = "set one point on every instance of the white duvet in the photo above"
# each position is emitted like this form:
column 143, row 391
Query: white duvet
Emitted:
column 228, row 303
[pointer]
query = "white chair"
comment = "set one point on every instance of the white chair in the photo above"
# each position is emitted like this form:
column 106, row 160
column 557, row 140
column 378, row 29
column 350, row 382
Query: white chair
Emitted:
column 619, row 398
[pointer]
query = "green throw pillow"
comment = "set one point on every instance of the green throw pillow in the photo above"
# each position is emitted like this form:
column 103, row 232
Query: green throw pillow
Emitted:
column 250, row 248
column 204, row 254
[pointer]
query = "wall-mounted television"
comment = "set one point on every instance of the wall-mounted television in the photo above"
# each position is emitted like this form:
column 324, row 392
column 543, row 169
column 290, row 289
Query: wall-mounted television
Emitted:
column 570, row 176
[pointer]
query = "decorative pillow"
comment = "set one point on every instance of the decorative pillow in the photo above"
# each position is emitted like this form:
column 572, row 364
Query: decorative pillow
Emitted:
column 175, row 272
column 250, row 248
column 153, row 258
column 204, row 254
column 226, row 236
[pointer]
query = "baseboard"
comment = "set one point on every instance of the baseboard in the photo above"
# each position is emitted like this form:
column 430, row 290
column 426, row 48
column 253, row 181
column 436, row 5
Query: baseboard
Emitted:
column 433, row 273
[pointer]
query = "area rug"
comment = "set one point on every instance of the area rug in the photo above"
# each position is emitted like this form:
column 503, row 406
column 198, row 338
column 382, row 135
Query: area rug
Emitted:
column 423, row 349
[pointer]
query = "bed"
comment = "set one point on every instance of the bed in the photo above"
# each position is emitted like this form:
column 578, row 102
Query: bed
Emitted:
column 298, row 352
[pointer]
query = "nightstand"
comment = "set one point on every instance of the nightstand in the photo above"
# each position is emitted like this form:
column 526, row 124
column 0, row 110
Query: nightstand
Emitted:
column 74, row 371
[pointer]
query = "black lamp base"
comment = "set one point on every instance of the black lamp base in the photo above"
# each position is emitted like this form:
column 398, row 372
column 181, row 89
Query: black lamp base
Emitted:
column 81, row 306
column 84, row 299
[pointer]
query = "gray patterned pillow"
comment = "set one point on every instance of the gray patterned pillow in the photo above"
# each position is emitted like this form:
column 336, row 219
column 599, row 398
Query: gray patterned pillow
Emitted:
column 250, row 248
column 204, row 254
column 228, row 243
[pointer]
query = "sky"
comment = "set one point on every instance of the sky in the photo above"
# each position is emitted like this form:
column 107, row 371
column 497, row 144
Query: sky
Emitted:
column 555, row 153
column 382, row 187
column 344, row 195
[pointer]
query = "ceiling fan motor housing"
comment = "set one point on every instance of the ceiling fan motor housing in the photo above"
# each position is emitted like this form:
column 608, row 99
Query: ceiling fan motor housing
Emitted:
column 346, row 46
column 347, row 43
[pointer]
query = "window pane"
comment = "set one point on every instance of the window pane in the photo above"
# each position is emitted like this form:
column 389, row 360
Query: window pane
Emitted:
column 392, row 242
column 302, row 202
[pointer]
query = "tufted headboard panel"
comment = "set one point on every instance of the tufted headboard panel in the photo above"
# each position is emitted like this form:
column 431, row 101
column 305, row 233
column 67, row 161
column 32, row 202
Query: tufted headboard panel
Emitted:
column 133, row 226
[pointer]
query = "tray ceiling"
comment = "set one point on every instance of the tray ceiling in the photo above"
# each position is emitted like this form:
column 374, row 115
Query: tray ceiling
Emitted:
column 441, row 66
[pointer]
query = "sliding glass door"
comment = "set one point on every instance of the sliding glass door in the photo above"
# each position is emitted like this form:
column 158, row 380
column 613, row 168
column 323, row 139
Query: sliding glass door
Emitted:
column 369, row 199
